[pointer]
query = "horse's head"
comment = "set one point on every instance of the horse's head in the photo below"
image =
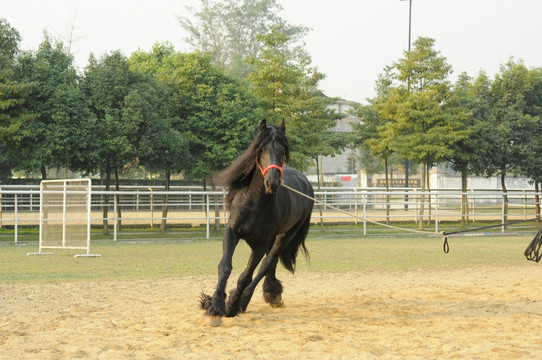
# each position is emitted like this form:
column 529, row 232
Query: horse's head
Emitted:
column 273, row 152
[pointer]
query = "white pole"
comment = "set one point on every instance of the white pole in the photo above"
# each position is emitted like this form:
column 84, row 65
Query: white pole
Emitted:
column 207, row 215
column 16, row 219
column 64, row 214
column 41, row 217
column 115, row 217
column 89, row 210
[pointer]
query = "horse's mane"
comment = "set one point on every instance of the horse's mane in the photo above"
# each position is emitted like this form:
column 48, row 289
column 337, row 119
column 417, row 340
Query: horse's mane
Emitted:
column 239, row 174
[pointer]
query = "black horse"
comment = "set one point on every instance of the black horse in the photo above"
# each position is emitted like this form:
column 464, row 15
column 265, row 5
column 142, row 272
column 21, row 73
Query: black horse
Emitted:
column 272, row 220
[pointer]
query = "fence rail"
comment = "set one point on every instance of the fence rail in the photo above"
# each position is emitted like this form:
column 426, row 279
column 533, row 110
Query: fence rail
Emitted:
column 149, row 207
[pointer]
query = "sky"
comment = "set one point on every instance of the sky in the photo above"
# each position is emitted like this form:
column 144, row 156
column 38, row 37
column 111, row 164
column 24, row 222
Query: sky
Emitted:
column 350, row 41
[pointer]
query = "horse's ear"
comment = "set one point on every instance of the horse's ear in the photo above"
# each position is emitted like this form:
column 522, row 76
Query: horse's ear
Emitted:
column 263, row 125
column 283, row 125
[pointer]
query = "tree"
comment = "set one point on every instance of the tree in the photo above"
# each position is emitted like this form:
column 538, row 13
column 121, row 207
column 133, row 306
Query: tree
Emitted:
column 503, row 133
column 420, row 129
column 367, row 132
column 529, row 161
column 12, row 95
column 467, row 101
column 47, row 130
column 214, row 112
column 228, row 30
column 107, row 83
column 161, row 147
column 287, row 85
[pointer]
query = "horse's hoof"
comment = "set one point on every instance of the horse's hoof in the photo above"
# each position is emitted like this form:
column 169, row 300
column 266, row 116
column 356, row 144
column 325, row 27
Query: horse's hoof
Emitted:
column 277, row 304
column 214, row 321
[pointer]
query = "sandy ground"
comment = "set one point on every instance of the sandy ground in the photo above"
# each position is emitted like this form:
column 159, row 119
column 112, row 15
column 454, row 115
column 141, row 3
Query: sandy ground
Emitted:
column 484, row 313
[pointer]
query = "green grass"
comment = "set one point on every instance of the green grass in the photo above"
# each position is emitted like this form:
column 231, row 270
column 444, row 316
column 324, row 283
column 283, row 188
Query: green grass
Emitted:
column 152, row 260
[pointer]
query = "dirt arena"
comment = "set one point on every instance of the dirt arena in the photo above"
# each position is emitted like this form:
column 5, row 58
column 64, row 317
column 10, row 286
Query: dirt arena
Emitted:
column 484, row 313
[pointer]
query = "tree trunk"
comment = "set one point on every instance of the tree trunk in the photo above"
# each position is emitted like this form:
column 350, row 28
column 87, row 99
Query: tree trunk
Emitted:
column 320, row 177
column 119, row 212
column 429, row 210
column 422, row 196
column 387, row 190
column 163, row 222
column 505, row 195
column 43, row 171
column 537, row 201
column 464, row 199
column 105, row 208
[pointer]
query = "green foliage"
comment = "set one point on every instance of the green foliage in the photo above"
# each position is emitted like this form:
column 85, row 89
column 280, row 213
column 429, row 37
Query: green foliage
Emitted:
column 214, row 112
column 529, row 159
column 366, row 133
column 12, row 94
column 420, row 129
column 9, row 44
column 287, row 85
column 107, row 83
column 45, row 129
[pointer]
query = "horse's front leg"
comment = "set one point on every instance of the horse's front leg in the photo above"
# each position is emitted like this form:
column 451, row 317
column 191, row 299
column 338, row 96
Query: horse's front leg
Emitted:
column 216, row 305
column 269, row 262
column 233, row 305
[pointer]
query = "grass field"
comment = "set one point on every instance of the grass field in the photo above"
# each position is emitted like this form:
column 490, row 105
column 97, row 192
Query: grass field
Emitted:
column 200, row 257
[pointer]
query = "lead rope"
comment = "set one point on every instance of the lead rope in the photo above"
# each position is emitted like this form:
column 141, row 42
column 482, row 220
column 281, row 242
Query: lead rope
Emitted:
column 531, row 253
column 358, row 217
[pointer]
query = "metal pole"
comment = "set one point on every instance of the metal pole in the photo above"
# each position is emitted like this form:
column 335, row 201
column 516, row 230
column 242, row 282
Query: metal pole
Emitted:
column 115, row 217
column 502, row 213
column 89, row 211
column 407, row 165
column 409, row 23
column 365, row 215
column 207, row 216
column 16, row 220
column 64, row 196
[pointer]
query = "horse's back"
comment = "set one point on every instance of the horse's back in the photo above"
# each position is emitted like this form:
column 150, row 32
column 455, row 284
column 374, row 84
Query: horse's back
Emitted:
column 298, row 181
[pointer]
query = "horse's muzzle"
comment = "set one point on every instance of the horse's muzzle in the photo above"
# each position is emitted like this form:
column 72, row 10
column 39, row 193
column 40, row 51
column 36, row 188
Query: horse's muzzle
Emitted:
column 271, row 185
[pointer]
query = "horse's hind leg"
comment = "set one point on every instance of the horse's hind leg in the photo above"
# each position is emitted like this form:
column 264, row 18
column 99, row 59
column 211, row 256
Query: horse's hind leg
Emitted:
column 272, row 287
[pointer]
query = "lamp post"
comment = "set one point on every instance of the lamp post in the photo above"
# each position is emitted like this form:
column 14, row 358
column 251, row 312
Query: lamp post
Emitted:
column 409, row 40
column 409, row 22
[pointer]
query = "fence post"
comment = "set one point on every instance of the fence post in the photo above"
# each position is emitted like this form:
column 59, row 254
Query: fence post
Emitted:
column 502, row 213
column 152, row 208
column 436, row 213
column 356, row 206
column 365, row 215
column 115, row 218
column 473, row 207
column 16, row 219
column 524, row 205
column 207, row 220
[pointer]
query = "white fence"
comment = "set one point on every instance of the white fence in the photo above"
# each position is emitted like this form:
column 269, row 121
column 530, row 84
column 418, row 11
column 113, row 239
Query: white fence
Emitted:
column 191, row 207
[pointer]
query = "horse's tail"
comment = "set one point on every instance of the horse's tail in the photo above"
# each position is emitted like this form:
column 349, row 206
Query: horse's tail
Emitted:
column 289, row 255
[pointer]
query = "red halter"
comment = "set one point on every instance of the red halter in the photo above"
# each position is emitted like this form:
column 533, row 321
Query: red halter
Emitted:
column 269, row 167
